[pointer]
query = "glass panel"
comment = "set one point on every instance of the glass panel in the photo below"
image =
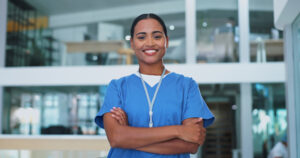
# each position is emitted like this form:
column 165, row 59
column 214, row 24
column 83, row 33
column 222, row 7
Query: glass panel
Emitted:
column 98, row 35
column 222, row 138
column 269, row 122
column 217, row 31
column 266, row 43
column 52, row 110
column 296, row 54
column 48, row 154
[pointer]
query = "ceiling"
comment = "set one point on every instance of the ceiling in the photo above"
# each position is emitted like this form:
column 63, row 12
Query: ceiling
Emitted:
column 260, row 21
column 55, row 7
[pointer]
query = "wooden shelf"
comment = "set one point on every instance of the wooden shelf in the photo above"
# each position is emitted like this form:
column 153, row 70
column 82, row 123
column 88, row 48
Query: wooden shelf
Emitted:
column 94, row 46
column 274, row 48
column 100, row 47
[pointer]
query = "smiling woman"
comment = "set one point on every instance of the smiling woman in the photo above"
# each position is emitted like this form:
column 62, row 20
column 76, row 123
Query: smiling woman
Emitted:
column 153, row 112
column 149, row 41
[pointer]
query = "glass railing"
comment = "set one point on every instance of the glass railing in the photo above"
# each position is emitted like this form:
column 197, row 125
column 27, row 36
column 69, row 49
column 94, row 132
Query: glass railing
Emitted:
column 266, row 42
column 217, row 32
column 52, row 110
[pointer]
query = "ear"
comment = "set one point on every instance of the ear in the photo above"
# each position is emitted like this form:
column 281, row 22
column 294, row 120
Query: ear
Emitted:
column 131, row 42
column 167, row 42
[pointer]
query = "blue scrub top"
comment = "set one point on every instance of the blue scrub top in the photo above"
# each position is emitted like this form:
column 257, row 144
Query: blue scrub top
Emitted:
column 178, row 99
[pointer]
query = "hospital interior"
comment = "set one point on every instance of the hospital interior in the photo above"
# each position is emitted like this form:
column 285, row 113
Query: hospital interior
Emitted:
column 57, row 58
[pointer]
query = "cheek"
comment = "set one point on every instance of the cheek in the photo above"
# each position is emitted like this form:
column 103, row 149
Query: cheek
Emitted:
column 137, row 45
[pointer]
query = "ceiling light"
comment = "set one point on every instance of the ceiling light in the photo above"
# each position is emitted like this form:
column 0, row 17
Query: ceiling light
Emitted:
column 95, row 57
column 172, row 27
column 127, row 37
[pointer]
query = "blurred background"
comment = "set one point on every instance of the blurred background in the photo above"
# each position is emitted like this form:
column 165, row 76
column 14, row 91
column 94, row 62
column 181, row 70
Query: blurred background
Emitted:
column 57, row 58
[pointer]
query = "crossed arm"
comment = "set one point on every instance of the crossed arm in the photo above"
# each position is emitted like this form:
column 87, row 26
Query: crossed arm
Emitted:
column 178, row 139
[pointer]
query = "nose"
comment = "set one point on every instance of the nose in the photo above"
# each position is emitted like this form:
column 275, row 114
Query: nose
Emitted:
column 150, row 41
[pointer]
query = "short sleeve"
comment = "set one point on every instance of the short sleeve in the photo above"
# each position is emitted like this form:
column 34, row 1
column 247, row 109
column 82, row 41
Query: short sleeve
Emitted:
column 112, row 99
column 195, row 106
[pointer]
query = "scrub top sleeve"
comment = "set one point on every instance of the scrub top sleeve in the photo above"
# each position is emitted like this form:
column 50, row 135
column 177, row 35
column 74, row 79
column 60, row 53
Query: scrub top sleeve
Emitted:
column 195, row 105
column 112, row 99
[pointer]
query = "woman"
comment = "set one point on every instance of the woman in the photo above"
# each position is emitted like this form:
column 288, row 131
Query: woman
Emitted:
column 154, row 112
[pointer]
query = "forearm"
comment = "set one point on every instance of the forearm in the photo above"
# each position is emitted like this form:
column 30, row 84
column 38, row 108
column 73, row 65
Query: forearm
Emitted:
column 174, row 146
column 135, row 137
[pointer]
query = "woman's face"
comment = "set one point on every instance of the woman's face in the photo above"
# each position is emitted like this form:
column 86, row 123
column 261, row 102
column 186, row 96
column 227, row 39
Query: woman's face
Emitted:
column 149, row 41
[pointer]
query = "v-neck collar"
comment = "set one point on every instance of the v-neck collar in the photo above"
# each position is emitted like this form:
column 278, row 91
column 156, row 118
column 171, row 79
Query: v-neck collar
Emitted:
column 147, row 84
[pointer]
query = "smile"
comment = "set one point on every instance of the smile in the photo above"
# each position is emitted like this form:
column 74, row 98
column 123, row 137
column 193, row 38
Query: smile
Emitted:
column 150, row 52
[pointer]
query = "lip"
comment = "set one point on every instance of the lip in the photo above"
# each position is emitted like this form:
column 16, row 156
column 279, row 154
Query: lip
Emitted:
column 150, row 52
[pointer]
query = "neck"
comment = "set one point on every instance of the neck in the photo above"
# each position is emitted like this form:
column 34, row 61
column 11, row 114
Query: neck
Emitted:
column 156, row 69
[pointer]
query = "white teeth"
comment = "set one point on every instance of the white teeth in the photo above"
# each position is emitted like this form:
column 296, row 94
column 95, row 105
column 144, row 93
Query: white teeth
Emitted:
column 150, row 51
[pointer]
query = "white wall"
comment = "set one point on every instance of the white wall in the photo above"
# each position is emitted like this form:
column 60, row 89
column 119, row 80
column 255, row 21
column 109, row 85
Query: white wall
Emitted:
column 285, row 12
column 101, row 75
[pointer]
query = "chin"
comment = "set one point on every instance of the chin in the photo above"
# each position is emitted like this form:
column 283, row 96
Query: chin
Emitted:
column 150, row 61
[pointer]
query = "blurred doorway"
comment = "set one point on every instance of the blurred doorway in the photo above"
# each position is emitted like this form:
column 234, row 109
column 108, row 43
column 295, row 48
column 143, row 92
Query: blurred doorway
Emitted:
column 220, row 136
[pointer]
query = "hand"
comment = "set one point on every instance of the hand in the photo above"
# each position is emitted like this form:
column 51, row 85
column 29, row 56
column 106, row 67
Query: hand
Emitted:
column 193, row 131
column 119, row 115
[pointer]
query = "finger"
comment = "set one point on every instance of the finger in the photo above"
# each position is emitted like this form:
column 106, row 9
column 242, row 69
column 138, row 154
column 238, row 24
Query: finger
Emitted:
column 203, row 136
column 201, row 122
column 201, row 139
column 115, row 108
column 119, row 119
column 123, row 112
column 115, row 117
column 116, row 112
column 193, row 121
column 119, row 114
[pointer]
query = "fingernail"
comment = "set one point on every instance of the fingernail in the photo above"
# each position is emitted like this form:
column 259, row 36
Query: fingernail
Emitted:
column 113, row 115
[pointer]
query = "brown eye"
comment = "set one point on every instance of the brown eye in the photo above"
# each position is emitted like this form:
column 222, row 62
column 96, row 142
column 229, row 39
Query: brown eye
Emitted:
column 141, row 37
column 158, row 37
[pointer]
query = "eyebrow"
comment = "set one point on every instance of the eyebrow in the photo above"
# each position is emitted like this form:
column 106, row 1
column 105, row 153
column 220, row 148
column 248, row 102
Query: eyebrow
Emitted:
column 156, row 32
column 143, row 33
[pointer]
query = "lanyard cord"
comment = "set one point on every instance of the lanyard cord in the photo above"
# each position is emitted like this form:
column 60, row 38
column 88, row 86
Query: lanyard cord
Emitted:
column 154, row 97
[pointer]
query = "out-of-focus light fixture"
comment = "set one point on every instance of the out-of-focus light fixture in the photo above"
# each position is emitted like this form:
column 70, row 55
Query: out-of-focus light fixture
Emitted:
column 172, row 27
column 95, row 57
column 234, row 107
column 204, row 24
column 127, row 37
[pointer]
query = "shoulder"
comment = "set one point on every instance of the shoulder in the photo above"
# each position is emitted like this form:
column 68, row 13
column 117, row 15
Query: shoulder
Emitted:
column 121, row 81
column 182, row 78
column 184, row 82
